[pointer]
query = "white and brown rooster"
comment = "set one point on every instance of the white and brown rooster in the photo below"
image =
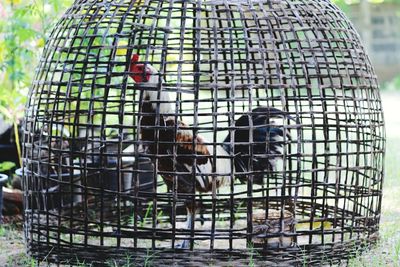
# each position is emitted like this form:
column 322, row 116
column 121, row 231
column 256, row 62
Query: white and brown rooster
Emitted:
column 181, row 155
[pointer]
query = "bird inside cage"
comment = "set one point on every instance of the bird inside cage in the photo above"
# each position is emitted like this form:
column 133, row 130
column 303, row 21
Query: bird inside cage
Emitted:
column 186, row 160
column 258, row 143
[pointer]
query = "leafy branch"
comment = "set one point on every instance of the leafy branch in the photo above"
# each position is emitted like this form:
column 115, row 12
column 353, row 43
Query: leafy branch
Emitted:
column 24, row 26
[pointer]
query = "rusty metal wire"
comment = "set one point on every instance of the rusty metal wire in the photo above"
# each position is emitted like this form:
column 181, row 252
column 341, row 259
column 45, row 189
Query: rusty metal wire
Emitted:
column 93, row 189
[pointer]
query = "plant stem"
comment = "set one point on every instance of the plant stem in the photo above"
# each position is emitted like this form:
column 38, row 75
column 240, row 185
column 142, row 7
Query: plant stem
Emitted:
column 16, row 133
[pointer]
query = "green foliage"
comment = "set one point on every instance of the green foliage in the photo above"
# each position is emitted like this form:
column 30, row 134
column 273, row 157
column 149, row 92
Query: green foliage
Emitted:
column 24, row 26
column 392, row 85
column 6, row 166
column 350, row 2
column 344, row 4
column 150, row 256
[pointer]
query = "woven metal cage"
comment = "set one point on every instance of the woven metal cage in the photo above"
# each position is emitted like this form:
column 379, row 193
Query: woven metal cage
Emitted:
column 203, row 132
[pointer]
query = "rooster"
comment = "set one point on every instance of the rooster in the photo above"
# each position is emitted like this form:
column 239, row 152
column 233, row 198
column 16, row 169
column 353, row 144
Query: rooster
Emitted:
column 189, row 157
column 182, row 156
column 265, row 150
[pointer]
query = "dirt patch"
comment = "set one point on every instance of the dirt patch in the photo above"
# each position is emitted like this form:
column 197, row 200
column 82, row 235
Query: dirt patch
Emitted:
column 12, row 248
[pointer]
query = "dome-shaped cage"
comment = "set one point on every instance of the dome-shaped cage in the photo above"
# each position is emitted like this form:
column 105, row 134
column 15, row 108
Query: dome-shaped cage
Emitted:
column 202, row 132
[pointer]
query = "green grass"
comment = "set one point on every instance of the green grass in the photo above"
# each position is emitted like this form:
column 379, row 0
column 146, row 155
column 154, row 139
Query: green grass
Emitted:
column 387, row 252
column 12, row 250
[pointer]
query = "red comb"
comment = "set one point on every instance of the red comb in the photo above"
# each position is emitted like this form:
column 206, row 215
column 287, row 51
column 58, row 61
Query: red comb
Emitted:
column 135, row 58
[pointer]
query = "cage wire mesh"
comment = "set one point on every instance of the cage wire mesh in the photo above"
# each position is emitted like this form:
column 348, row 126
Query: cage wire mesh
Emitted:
column 197, row 132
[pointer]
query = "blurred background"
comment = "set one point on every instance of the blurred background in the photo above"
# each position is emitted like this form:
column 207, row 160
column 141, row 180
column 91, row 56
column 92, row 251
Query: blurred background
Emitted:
column 25, row 25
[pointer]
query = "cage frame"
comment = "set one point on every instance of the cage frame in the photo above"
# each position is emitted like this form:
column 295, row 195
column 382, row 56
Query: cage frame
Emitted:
column 303, row 57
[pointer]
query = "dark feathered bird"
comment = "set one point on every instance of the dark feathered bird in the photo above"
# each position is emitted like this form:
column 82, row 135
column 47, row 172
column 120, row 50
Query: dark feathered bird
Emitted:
column 258, row 142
